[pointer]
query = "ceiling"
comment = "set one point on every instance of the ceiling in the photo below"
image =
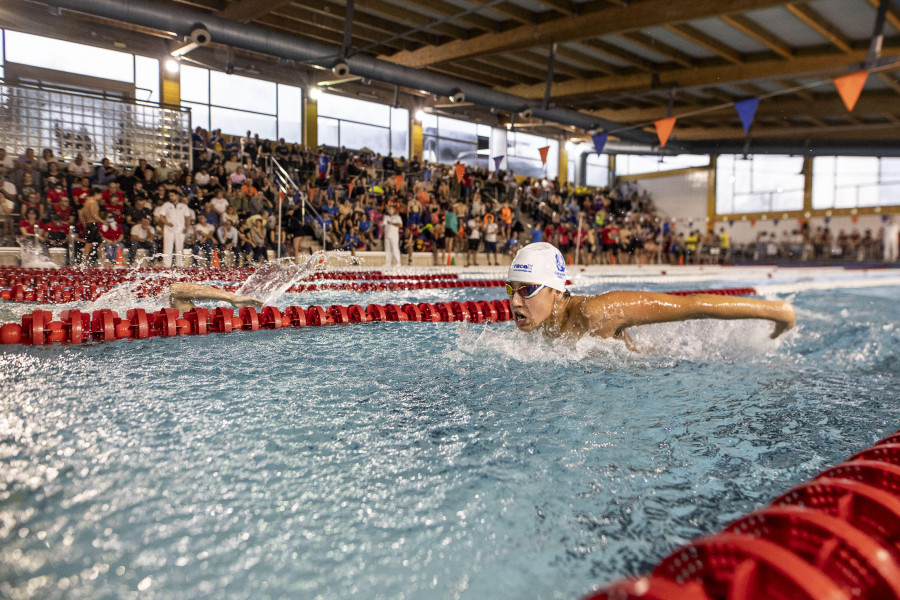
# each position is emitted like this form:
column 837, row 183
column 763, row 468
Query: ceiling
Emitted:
column 630, row 62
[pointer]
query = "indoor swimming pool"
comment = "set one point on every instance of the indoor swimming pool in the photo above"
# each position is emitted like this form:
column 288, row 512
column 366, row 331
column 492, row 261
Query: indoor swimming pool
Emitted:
column 426, row 460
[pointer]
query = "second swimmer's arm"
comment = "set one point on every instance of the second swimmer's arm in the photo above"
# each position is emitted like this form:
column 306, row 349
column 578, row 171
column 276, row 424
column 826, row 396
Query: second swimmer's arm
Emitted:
column 194, row 291
column 627, row 309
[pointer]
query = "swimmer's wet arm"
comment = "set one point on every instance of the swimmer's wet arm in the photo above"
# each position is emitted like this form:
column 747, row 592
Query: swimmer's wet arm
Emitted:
column 627, row 309
column 196, row 291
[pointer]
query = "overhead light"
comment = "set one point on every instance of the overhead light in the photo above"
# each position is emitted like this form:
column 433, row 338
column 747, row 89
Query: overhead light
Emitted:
column 172, row 65
column 420, row 115
column 315, row 93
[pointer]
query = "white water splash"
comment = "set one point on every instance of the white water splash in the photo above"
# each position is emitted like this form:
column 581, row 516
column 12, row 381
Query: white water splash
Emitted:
column 274, row 278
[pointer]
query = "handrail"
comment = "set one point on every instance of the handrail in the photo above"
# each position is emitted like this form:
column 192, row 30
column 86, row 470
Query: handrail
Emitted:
column 284, row 182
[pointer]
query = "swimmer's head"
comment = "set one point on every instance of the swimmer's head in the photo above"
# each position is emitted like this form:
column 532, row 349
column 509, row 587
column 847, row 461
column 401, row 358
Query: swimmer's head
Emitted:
column 539, row 263
column 537, row 284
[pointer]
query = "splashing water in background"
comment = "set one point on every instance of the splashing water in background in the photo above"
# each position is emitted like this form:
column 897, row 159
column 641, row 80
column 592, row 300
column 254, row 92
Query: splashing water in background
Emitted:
column 274, row 278
column 35, row 256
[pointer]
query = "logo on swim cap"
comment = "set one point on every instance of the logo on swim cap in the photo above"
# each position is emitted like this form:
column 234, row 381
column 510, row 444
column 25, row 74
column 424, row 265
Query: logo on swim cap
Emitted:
column 522, row 268
column 560, row 265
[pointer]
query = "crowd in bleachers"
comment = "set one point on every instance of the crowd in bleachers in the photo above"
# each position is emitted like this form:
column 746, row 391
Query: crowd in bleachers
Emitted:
column 350, row 200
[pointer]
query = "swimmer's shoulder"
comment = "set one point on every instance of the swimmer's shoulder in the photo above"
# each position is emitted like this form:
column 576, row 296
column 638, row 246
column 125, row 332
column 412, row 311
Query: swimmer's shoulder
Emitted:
column 598, row 314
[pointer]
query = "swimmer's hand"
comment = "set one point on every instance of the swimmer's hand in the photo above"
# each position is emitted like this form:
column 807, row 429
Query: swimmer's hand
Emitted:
column 242, row 301
column 787, row 322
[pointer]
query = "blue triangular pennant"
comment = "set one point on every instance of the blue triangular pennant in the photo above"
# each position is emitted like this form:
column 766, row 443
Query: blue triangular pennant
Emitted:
column 497, row 161
column 746, row 110
column 600, row 141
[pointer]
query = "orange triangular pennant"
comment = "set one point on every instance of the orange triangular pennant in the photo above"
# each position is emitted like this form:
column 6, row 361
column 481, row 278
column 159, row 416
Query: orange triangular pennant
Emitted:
column 460, row 171
column 350, row 187
column 664, row 129
column 398, row 180
column 850, row 87
column 544, row 152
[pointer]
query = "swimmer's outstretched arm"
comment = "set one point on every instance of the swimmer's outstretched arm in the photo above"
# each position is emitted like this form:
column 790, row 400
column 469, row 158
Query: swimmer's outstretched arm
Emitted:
column 613, row 312
column 182, row 296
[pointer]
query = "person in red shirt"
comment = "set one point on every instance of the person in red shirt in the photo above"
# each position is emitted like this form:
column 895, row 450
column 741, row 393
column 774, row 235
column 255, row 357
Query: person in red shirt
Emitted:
column 610, row 237
column 80, row 192
column 64, row 211
column 114, row 201
column 55, row 193
column 112, row 234
column 56, row 234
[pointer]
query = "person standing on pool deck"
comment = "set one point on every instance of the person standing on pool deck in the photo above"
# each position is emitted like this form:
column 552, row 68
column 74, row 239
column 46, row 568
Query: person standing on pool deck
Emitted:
column 392, row 225
column 891, row 236
column 536, row 284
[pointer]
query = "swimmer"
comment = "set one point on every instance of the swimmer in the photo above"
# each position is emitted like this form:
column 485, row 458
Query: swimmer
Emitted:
column 182, row 296
column 539, row 301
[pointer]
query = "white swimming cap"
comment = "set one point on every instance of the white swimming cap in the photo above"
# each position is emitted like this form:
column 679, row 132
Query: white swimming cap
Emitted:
column 539, row 263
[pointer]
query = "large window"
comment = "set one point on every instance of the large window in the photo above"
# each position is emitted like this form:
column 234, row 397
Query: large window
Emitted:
column 758, row 183
column 358, row 124
column 446, row 141
column 637, row 164
column 855, row 181
column 525, row 157
column 597, row 170
column 80, row 59
column 237, row 104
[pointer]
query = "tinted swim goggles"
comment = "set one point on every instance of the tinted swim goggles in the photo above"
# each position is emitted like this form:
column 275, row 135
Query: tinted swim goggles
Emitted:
column 526, row 290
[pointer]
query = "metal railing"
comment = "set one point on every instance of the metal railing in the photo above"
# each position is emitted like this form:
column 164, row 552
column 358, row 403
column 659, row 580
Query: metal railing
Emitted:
column 285, row 183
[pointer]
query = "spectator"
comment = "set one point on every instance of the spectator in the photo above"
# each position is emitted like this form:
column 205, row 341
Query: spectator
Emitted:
column 143, row 236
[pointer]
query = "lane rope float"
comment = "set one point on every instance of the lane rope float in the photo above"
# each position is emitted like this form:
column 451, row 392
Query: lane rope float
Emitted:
column 836, row 536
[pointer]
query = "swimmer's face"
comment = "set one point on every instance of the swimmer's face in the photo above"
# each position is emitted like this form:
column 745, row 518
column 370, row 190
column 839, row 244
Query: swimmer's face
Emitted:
column 530, row 313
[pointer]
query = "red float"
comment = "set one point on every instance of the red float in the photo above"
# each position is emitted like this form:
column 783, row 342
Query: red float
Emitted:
column 296, row 315
column 250, row 318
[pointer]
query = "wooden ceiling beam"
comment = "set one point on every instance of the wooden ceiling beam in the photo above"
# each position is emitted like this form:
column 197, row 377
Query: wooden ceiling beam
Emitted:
column 445, row 9
column 564, row 7
column 700, row 76
column 591, row 63
column 891, row 81
column 763, row 36
column 538, row 63
column 380, row 9
column 645, row 41
column 604, row 21
column 819, row 24
column 335, row 22
column 892, row 16
column 244, row 11
column 880, row 131
column 695, row 36
column 623, row 55
column 776, row 107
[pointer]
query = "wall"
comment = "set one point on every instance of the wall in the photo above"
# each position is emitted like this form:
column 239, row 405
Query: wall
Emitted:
column 742, row 232
column 681, row 195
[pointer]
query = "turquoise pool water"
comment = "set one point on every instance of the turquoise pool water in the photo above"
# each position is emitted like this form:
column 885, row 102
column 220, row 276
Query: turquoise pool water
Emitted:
column 404, row 460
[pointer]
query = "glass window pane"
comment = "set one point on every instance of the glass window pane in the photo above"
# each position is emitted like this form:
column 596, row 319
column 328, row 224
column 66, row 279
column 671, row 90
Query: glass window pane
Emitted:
column 69, row 57
column 856, row 170
column 570, row 172
column 450, row 151
column 237, row 122
column 597, row 174
column 429, row 148
column 199, row 114
column 457, row 130
column 290, row 113
column 328, row 132
column 146, row 78
column 429, row 124
column 194, row 84
column 889, row 194
column 352, row 109
column 357, row 136
column 890, row 171
column 243, row 93
column 823, row 182
column 868, row 195
column 400, row 131
column 725, row 184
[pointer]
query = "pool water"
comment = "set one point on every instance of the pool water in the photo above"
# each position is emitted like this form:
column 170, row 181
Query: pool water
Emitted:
column 419, row 460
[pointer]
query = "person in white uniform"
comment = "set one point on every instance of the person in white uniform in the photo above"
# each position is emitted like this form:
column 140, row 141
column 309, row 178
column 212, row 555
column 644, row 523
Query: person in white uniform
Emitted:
column 891, row 233
column 392, row 225
column 175, row 217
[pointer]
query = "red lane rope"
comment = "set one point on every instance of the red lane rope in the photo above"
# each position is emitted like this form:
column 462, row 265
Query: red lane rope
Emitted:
column 75, row 327
column 837, row 536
